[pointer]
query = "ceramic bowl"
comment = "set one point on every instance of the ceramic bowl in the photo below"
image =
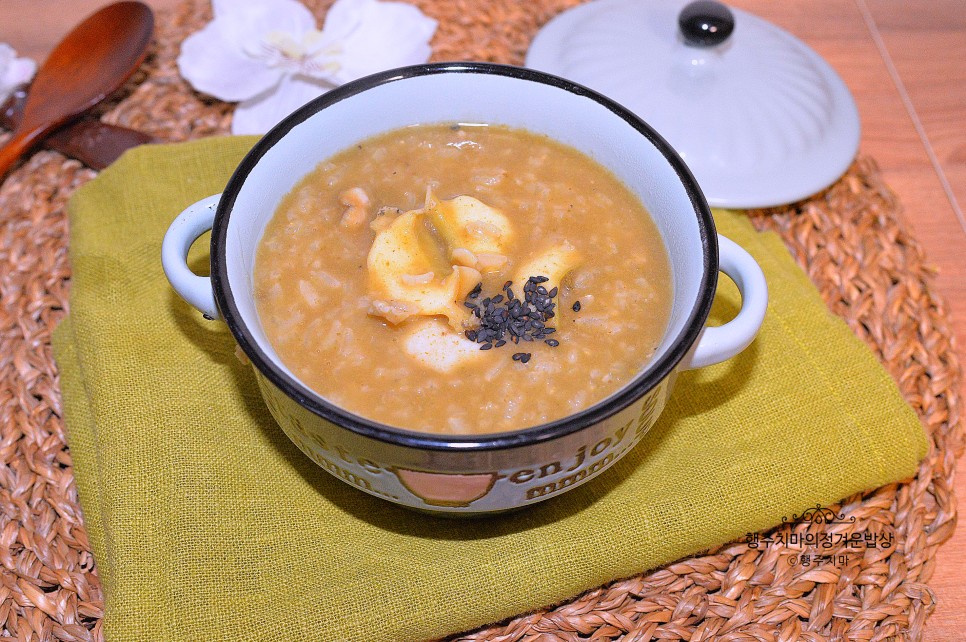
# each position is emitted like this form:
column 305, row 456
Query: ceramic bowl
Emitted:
column 490, row 472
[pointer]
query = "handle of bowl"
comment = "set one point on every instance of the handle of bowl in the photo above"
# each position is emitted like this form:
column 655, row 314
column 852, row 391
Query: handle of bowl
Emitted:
column 185, row 230
column 720, row 343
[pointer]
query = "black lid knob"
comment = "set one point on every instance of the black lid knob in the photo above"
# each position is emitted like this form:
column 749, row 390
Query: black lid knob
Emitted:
column 705, row 23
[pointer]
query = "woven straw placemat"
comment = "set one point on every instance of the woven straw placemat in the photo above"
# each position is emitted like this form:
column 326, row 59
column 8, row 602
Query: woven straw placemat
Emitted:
column 850, row 239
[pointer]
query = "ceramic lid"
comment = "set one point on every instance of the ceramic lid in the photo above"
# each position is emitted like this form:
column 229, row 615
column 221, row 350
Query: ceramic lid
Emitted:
column 758, row 116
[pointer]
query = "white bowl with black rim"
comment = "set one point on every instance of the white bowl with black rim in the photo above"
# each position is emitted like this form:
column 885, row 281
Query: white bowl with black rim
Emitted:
column 476, row 474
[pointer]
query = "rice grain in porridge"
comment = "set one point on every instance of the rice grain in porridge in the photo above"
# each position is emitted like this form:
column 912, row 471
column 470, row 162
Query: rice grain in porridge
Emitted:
column 382, row 275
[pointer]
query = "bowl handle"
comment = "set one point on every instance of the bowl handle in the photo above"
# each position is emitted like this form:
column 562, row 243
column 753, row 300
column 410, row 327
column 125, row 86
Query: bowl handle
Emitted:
column 185, row 230
column 717, row 344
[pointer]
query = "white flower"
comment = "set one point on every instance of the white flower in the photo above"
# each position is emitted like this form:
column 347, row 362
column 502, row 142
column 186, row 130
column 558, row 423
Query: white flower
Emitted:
column 13, row 71
column 269, row 56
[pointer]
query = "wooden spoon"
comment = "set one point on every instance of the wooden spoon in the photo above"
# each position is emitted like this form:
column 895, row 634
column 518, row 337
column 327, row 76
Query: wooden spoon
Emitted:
column 90, row 141
column 92, row 61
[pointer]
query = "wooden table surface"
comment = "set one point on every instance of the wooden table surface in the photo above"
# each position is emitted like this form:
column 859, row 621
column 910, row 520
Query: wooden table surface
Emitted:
column 904, row 61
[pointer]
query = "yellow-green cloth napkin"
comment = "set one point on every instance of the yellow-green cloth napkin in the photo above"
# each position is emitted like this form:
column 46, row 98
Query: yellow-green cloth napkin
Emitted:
column 208, row 524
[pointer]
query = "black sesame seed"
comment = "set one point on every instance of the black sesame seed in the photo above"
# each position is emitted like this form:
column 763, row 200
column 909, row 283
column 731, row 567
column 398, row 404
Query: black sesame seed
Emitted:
column 576, row 306
column 504, row 317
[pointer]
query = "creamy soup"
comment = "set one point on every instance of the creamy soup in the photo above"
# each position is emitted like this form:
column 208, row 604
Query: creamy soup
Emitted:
column 462, row 279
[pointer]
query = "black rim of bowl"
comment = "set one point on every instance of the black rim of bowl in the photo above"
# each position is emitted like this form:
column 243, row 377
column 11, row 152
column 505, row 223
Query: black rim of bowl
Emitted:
column 607, row 407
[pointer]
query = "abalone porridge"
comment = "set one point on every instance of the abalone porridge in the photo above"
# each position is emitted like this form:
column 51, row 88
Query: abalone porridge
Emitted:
column 462, row 279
